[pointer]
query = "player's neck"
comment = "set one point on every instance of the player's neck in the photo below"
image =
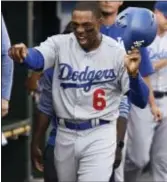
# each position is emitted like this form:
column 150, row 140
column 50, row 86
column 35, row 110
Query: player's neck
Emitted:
column 109, row 19
column 96, row 43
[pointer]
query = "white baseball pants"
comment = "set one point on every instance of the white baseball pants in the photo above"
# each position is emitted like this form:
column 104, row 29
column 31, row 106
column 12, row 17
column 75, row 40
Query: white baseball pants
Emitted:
column 147, row 141
column 84, row 156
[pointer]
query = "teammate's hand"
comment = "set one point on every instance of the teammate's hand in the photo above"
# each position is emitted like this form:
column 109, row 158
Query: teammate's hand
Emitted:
column 32, row 81
column 37, row 158
column 35, row 96
column 132, row 61
column 18, row 52
column 156, row 113
column 118, row 158
column 5, row 107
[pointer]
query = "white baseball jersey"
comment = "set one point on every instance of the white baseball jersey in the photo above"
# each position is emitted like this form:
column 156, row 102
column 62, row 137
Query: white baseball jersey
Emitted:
column 158, row 51
column 86, row 85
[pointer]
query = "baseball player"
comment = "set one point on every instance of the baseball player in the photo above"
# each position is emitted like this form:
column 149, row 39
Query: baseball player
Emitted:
column 109, row 11
column 7, row 70
column 147, row 138
column 88, row 82
column 46, row 112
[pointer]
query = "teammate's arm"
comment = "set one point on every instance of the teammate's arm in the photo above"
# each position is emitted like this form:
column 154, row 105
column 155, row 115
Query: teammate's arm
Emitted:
column 151, row 97
column 146, row 69
column 40, row 126
column 45, row 112
column 160, row 64
column 124, row 109
column 7, row 70
column 153, row 106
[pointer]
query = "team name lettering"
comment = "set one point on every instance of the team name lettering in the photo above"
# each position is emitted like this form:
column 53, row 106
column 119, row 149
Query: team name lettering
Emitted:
column 84, row 79
column 159, row 55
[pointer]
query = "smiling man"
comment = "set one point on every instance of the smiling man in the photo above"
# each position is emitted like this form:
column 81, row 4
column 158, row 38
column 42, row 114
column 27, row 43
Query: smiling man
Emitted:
column 110, row 28
column 86, row 106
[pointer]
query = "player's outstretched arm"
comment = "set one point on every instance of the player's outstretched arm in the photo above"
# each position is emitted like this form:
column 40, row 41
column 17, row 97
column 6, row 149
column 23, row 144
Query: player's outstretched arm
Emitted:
column 32, row 58
column 37, row 58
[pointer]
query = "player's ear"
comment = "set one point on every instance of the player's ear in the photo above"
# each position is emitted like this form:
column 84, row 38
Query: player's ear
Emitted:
column 100, row 21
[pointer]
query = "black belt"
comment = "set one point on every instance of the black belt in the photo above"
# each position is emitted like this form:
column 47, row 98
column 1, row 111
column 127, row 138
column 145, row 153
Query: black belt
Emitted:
column 159, row 95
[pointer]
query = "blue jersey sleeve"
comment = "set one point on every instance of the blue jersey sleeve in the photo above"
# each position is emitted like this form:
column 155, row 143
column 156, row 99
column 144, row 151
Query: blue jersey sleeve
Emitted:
column 139, row 92
column 34, row 60
column 7, row 64
column 45, row 102
column 124, row 107
column 146, row 67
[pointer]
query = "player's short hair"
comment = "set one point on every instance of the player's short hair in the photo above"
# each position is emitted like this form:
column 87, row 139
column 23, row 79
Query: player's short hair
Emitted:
column 92, row 6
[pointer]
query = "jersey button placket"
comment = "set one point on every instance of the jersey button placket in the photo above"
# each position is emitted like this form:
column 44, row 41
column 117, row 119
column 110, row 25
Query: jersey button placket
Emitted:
column 79, row 95
column 76, row 102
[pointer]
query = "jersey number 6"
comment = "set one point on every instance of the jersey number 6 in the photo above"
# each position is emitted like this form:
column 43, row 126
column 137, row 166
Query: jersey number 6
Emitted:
column 99, row 102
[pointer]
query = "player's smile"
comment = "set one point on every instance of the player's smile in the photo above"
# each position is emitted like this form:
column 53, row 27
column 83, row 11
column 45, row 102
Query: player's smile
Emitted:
column 82, row 40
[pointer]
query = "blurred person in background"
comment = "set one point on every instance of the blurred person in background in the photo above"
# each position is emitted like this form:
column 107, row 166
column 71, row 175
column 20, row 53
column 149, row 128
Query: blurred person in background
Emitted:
column 110, row 11
column 7, row 70
column 31, row 83
column 149, row 137
column 44, row 162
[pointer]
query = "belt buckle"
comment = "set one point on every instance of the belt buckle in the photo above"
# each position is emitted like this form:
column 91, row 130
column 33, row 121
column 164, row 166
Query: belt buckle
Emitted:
column 95, row 122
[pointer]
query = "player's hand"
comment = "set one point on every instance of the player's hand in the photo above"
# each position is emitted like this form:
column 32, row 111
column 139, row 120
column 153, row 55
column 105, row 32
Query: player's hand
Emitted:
column 118, row 158
column 37, row 158
column 5, row 107
column 32, row 81
column 35, row 96
column 132, row 61
column 156, row 113
column 18, row 52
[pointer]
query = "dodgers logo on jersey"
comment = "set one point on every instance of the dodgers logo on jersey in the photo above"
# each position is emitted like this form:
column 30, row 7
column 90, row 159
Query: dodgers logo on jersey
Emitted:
column 154, row 55
column 84, row 79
